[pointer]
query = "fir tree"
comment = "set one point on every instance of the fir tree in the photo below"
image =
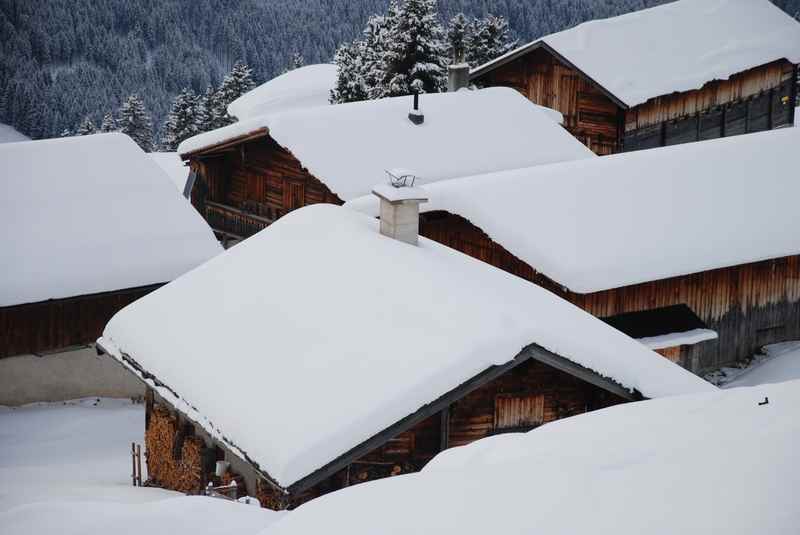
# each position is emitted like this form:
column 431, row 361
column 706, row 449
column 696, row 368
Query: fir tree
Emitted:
column 210, row 110
column 296, row 62
column 488, row 39
column 136, row 123
column 238, row 82
column 372, row 50
column 349, row 86
column 459, row 34
column 65, row 133
column 184, row 120
column 109, row 124
column 414, row 57
column 86, row 127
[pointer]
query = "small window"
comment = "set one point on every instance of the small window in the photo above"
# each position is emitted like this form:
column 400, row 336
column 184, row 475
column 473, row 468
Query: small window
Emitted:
column 518, row 412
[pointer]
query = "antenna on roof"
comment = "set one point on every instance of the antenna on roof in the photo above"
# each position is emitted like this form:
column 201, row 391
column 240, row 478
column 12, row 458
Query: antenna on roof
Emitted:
column 401, row 178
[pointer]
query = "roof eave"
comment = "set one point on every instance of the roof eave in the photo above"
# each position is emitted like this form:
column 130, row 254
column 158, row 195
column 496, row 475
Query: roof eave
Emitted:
column 223, row 145
column 535, row 45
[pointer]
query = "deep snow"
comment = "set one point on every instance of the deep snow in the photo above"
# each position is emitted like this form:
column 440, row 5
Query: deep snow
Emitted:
column 66, row 468
column 778, row 363
column 9, row 134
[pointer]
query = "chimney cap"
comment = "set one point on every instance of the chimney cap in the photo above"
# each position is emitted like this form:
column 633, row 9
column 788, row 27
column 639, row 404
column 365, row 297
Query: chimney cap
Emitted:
column 405, row 194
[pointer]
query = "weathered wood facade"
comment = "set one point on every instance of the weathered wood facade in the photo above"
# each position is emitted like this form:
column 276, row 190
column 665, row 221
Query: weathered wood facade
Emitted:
column 182, row 456
column 244, row 185
column 748, row 305
column 761, row 98
column 48, row 326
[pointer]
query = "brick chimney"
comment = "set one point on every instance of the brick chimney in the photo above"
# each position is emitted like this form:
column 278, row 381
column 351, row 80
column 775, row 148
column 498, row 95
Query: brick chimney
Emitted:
column 400, row 201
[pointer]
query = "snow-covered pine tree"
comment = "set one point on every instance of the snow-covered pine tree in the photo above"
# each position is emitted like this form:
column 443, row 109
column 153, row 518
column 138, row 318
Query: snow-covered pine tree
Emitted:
column 458, row 35
column 349, row 85
column 297, row 61
column 136, row 123
column 372, row 49
column 65, row 133
column 414, row 60
column 488, row 39
column 109, row 124
column 86, row 127
column 209, row 108
column 238, row 82
column 184, row 120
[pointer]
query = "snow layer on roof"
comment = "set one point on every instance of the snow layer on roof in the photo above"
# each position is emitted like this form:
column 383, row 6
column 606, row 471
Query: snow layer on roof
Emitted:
column 350, row 146
column 9, row 134
column 675, row 47
column 663, row 341
column 306, row 87
column 780, row 363
column 320, row 302
column 173, row 166
column 638, row 216
column 687, row 464
column 90, row 214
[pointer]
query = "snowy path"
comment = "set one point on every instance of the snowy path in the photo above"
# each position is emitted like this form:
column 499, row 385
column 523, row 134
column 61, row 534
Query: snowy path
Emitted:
column 66, row 467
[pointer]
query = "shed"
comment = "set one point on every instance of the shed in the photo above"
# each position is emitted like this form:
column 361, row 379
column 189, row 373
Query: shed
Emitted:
column 319, row 354
column 90, row 224
column 708, row 225
column 683, row 71
column 254, row 171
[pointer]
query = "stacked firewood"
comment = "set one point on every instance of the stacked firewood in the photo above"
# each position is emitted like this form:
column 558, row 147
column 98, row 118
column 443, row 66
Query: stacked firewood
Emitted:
column 185, row 473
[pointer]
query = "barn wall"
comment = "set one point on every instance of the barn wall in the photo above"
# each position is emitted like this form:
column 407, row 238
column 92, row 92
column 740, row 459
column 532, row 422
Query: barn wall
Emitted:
column 242, row 190
column 749, row 305
column 758, row 99
column 61, row 323
column 589, row 114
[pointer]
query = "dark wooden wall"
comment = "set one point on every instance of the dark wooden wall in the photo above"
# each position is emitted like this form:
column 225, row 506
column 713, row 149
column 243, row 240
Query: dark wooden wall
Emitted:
column 761, row 98
column 525, row 397
column 241, row 190
column 589, row 114
column 748, row 305
column 61, row 323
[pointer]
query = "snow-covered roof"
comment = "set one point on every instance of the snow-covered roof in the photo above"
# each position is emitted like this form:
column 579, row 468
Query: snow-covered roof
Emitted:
column 89, row 214
column 349, row 146
column 173, row 166
column 640, row 216
column 674, row 47
column 719, row 462
column 305, row 87
column 380, row 329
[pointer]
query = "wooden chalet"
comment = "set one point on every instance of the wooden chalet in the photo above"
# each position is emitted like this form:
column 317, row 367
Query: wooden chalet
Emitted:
column 381, row 362
column 685, row 71
column 692, row 249
column 80, row 248
column 248, row 174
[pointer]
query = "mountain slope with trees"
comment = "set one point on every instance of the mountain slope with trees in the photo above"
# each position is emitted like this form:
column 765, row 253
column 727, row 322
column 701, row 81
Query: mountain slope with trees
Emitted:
column 65, row 61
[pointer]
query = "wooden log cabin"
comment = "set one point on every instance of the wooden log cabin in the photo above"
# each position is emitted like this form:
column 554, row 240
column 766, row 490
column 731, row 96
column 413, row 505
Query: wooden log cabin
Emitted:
column 380, row 362
column 79, row 248
column 686, row 71
column 250, row 173
column 692, row 249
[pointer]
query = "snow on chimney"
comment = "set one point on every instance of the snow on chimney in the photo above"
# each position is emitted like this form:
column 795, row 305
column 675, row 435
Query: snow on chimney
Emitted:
column 458, row 73
column 415, row 115
column 400, row 201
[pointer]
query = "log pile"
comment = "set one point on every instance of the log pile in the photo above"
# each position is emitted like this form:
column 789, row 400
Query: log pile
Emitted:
column 183, row 474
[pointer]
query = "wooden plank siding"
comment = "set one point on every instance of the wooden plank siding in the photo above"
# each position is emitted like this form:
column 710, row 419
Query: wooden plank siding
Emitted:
column 61, row 323
column 760, row 98
column 588, row 113
column 748, row 305
column 257, row 178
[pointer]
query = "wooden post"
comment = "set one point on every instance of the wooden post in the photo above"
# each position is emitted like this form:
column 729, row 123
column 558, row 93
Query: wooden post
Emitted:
column 133, row 463
column 138, row 465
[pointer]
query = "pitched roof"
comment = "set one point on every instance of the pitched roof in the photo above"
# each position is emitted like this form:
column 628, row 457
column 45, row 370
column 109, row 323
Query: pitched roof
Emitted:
column 349, row 146
column 306, row 87
column 637, row 56
column 172, row 165
column 635, row 217
column 321, row 303
column 609, row 471
column 91, row 214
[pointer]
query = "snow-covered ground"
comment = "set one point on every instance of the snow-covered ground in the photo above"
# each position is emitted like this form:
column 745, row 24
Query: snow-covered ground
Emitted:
column 722, row 462
column 66, row 468
column 9, row 134
column 777, row 363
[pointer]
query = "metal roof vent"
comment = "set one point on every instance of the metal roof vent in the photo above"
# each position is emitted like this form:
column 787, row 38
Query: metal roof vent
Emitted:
column 415, row 115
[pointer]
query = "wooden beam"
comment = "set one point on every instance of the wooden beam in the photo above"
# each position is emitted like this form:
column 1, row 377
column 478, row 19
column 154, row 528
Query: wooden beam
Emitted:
column 230, row 143
column 444, row 429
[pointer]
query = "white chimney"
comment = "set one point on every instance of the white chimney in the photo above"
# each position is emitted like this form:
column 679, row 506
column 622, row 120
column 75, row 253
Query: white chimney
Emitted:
column 400, row 201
